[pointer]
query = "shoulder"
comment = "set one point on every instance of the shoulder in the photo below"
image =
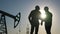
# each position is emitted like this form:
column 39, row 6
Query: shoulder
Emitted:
column 32, row 11
column 50, row 13
column 38, row 12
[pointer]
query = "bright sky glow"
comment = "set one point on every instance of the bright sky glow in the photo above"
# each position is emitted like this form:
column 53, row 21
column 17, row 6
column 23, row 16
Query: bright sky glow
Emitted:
column 43, row 15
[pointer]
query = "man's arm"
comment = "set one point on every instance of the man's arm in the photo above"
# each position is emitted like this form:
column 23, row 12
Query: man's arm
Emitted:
column 30, row 17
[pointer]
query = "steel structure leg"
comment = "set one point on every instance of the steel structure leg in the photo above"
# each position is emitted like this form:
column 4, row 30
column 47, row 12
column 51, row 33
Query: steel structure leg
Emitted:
column 3, row 27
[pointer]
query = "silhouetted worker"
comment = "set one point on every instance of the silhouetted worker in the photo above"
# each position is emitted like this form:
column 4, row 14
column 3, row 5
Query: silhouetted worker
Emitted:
column 48, row 20
column 33, row 18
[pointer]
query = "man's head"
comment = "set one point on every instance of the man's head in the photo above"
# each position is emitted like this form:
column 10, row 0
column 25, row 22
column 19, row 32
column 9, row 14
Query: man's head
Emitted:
column 46, row 8
column 37, row 7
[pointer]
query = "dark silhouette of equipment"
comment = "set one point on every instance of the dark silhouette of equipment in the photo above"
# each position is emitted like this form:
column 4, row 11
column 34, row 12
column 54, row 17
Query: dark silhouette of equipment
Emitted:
column 3, row 26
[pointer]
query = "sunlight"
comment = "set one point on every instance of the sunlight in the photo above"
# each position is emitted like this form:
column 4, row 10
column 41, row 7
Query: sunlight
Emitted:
column 43, row 15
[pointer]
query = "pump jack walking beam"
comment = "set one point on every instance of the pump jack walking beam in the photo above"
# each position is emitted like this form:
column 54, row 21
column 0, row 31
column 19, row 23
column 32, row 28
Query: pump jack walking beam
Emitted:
column 16, row 18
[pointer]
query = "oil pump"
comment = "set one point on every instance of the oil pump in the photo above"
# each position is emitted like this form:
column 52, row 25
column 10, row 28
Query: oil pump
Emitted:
column 3, row 26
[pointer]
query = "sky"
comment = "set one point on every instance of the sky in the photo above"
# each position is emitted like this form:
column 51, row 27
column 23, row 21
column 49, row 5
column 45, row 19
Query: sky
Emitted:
column 25, row 7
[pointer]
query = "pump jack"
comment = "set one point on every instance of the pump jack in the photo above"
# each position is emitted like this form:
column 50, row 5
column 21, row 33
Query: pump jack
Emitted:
column 3, row 26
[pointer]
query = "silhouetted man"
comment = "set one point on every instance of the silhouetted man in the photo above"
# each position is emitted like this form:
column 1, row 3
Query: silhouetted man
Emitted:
column 33, row 18
column 48, row 20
